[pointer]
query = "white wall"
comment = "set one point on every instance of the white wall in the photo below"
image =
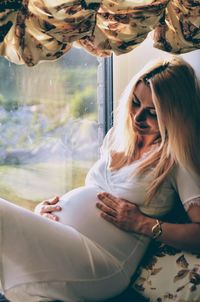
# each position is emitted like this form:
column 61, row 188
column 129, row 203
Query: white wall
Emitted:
column 125, row 66
column 193, row 58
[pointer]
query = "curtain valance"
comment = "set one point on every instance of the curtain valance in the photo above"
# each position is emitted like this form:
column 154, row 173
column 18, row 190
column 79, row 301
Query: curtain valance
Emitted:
column 35, row 30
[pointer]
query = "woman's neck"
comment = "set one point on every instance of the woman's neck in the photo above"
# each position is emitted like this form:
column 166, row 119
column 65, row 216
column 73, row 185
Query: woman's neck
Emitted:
column 146, row 141
column 144, row 144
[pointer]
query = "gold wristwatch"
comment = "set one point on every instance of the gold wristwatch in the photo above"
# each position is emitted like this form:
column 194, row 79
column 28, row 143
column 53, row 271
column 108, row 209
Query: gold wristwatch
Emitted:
column 156, row 229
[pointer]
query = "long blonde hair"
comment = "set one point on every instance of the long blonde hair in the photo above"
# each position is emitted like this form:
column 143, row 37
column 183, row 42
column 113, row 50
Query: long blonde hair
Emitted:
column 176, row 96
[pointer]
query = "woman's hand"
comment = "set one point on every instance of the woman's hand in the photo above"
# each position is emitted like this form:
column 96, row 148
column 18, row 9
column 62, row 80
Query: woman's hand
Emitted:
column 120, row 212
column 47, row 207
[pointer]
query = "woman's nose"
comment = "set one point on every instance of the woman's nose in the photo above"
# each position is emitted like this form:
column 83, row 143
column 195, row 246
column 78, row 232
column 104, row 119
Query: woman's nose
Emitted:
column 140, row 116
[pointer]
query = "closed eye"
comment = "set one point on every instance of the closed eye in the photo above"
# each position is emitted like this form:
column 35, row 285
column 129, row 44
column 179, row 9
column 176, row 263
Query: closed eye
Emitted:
column 135, row 102
column 152, row 112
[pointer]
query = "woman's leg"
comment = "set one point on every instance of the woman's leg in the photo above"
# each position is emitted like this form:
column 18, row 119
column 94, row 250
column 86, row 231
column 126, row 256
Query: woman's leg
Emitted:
column 34, row 250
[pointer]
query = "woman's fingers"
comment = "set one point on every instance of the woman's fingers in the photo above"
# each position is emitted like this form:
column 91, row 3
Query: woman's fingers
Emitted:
column 118, row 204
column 109, row 218
column 50, row 216
column 52, row 201
column 49, row 208
column 108, row 195
column 106, row 209
column 108, row 199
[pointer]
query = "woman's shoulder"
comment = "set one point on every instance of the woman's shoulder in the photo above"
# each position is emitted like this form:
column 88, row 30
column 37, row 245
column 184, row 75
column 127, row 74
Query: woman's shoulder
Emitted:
column 109, row 135
column 186, row 183
column 108, row 141
column 182, row 175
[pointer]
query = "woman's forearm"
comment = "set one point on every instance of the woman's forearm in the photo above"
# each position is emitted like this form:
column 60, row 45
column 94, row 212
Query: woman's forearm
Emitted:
column 181, row 236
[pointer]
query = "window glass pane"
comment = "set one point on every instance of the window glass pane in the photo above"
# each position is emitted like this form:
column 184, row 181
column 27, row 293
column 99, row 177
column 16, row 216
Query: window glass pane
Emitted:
column 49, row 128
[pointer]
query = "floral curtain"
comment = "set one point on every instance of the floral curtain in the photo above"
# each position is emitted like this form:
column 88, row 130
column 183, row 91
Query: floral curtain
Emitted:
column 36, row 30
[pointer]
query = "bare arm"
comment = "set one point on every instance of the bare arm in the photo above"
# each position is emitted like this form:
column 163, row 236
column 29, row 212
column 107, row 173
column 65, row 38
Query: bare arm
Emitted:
column 182, row 236
column 128, row 217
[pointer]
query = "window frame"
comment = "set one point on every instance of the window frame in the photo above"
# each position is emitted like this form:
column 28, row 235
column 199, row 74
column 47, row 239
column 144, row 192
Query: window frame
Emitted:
column 105, row 96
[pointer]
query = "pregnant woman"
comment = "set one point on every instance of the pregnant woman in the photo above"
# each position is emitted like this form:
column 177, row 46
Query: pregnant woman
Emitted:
column 102, row 230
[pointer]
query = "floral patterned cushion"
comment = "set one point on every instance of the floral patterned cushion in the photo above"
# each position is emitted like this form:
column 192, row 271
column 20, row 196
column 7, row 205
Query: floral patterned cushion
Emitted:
column 168, row 275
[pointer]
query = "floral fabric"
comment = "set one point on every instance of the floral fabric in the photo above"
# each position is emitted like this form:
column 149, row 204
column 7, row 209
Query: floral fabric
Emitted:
column 167, row 274
column 36, row 30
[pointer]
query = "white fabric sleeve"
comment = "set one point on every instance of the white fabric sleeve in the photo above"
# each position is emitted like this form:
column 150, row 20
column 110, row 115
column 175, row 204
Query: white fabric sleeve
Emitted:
column 187, row 185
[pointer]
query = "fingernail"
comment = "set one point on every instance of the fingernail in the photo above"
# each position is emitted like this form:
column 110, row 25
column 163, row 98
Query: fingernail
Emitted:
column 58, row 208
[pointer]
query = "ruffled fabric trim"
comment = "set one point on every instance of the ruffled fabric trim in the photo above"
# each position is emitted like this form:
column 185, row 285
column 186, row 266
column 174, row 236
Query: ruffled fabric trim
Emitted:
column 191, row 203
column 36, row 30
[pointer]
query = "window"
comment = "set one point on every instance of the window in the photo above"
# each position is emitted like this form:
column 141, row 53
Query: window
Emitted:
column 51, row 125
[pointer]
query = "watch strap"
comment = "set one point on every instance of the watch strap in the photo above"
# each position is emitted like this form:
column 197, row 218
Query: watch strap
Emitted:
column 156, row 229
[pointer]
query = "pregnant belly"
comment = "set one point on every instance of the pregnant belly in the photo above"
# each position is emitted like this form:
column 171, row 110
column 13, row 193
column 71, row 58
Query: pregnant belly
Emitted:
column 79, row 211
column 79, row 208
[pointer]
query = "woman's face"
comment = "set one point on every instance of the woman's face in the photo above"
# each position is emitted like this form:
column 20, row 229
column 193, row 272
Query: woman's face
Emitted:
column 143, row 113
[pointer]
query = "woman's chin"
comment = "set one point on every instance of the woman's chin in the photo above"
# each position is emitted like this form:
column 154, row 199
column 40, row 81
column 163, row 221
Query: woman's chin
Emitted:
column 142, row 131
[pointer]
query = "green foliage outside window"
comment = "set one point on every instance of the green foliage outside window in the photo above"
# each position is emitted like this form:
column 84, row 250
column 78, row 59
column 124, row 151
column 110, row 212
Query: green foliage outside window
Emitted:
column 83, row 102
column 46, row 112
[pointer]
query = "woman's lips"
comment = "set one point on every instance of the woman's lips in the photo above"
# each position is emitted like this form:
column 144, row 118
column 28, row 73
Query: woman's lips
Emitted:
column 140, row 126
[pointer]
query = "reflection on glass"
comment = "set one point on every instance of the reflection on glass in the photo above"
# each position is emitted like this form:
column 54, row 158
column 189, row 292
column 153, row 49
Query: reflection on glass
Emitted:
column 48, row 123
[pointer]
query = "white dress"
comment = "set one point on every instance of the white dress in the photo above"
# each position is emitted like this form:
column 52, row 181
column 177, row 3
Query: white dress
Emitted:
column 83, row 258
